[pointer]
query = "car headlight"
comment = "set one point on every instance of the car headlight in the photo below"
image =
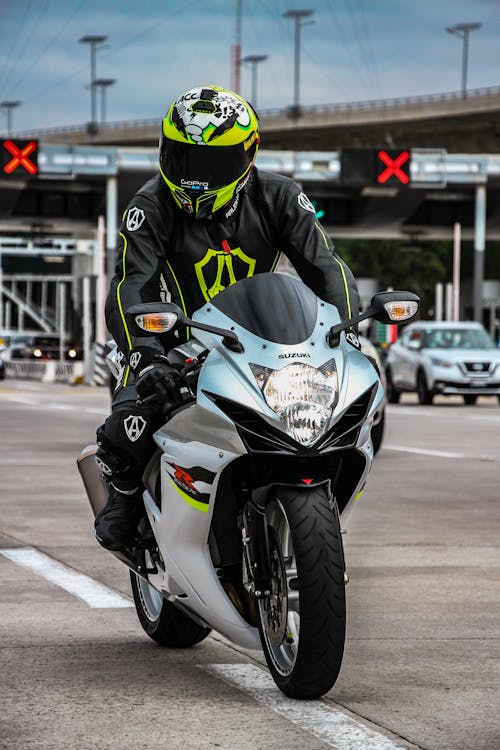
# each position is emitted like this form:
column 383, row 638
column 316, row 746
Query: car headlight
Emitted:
column 302, row 396
column 437, row 362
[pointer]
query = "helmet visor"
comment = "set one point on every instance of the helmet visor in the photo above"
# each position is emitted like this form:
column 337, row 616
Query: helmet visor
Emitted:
column 200, row 168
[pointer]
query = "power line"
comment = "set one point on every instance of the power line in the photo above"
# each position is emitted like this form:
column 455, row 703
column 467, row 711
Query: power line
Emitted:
column 348, row 47
column 49, row 44
column 113, row 51
column 26, row 41
column 16, row 39
column 367, row 34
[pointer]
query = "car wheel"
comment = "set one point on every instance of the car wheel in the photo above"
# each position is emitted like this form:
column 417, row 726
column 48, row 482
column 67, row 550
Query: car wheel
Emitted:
column 393, row 395
column 377, row 433
column 425, row 396
column 470, row 400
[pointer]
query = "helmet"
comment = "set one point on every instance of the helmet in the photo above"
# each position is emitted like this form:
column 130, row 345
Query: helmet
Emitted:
column 208, row 145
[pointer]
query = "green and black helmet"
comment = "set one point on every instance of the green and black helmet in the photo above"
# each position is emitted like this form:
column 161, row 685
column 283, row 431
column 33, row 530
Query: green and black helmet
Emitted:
column 208, row 145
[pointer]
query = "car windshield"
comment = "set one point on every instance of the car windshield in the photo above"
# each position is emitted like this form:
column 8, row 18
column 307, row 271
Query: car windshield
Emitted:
column 457, row 338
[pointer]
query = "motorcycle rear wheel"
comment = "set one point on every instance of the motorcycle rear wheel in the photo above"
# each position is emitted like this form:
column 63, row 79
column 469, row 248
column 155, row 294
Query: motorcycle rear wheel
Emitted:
column 161, row 619
column 302, row 623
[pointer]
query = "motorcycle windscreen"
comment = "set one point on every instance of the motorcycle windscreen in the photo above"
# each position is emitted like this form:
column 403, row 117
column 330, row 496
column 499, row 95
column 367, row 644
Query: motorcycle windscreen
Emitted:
column 274, row 306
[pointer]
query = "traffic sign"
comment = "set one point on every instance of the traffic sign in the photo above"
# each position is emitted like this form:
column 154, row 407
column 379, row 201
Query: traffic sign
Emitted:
column 362, row 167
column 18, row 158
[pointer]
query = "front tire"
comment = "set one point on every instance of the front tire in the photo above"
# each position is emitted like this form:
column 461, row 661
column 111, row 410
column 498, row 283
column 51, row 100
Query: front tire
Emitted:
column 302, row 623
column 469, row 399
column 161, row 619
column 425, row 396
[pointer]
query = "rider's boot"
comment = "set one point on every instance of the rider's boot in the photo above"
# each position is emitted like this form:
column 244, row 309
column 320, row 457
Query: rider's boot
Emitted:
column 116, row 524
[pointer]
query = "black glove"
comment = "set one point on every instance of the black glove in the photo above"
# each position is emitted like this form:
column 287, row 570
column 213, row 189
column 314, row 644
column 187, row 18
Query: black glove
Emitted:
column 156, row 377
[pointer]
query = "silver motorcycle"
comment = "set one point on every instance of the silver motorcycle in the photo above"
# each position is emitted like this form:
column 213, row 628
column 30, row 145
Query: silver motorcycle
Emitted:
column 244, row 494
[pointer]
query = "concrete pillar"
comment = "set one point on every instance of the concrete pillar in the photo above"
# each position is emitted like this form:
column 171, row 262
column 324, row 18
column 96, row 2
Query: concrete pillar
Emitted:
column 479, row 243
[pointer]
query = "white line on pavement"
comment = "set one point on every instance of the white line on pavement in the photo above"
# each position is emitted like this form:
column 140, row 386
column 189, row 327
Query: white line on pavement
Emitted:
column 425, row 451
column 54, row 405
column 415, row 411
column 328, row 724
column 93, row 593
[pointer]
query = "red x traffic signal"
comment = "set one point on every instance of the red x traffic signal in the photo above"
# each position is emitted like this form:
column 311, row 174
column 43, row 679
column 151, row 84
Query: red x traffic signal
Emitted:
column 393, row 167
column 364, row 167
column 19, row 158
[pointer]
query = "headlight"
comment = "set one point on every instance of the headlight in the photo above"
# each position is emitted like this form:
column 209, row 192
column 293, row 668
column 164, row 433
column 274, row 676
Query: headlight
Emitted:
column 37, row 352
column 437, row 362
column 302, row 396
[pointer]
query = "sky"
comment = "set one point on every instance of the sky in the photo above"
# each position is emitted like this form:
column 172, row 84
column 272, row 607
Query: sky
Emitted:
column 354, row 50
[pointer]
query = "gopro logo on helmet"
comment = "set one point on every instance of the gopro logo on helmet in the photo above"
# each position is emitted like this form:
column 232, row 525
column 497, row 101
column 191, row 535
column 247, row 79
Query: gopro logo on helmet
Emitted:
column 194, row 184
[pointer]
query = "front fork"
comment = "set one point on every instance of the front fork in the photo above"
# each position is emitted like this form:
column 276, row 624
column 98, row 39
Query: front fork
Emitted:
column 257, row 573
column 257, row 565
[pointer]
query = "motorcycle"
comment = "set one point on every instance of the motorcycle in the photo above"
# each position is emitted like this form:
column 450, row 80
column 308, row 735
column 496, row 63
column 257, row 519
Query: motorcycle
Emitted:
column 252, row 474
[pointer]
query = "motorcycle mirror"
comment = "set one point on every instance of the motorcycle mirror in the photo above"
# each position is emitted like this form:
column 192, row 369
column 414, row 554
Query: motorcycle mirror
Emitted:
column 153, row 318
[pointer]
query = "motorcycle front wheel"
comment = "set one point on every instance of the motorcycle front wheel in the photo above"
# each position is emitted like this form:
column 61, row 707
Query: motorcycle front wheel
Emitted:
column 161, row 619
column 302, row 622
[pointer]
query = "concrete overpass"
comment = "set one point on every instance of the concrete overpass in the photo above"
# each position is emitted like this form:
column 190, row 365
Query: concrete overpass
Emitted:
column 448, row 121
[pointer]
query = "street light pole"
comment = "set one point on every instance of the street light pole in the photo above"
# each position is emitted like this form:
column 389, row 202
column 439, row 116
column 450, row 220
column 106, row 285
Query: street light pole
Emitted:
column 254, row 60
column 235, row 82
column 9, row 106
column 94, row 40
column 463, row 30
column 103, row 84
column 298, row 16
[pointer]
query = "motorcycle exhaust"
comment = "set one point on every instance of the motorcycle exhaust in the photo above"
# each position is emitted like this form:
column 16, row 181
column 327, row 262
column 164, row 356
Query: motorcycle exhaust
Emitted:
column 97, row 493
column 94, row 484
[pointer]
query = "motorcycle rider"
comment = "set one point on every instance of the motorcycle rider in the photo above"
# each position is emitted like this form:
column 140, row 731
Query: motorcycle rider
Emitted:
column 206, row 220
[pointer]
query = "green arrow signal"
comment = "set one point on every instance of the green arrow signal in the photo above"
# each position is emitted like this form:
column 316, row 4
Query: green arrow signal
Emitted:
column 319, row 213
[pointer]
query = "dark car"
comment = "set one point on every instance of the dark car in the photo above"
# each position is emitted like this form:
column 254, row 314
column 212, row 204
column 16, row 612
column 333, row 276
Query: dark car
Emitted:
column 44, row 347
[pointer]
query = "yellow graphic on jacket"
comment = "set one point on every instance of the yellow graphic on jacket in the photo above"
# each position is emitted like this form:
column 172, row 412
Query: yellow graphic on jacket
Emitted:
column 216, row 270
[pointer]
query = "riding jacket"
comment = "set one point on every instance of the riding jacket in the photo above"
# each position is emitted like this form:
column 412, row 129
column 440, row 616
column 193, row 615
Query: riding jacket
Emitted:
column 166, row 255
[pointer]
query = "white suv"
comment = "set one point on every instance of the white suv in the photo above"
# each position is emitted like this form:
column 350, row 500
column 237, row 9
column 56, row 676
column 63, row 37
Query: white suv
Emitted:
column 445, row 358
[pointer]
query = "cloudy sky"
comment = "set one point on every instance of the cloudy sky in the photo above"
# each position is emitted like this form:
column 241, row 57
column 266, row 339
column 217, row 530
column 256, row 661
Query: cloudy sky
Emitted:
column 355, row 50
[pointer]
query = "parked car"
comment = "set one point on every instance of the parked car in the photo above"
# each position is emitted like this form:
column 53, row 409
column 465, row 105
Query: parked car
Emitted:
column 41, row 346
column 2, row 368
column 377, row 431
column 443, row 358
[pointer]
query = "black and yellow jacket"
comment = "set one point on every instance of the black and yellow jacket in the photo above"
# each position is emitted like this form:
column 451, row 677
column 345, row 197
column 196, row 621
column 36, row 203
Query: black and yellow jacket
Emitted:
column 167, row 255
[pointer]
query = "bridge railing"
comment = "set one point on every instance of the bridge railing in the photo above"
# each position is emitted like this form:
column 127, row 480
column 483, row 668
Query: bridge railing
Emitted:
column 400, row 101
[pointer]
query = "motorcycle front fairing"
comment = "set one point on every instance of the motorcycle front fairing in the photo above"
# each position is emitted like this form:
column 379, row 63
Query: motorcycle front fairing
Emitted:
column 203, row 441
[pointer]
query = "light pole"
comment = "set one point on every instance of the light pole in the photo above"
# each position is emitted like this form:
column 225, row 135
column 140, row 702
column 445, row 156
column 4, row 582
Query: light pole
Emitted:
column 9, row 106
column 103, row 84
column 94, row 40
column 298, row 16
column 463, row 30
column 254, row 60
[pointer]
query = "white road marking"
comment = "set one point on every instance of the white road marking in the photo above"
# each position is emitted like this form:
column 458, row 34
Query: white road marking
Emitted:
column 328, row 724
column 461, row 412
column 50, row 405
column 426, row 451
column 93, row 593
column 415, row 411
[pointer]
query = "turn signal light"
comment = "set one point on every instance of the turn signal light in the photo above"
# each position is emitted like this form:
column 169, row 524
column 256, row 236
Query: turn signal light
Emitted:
column 156, row 322
column 399, row 311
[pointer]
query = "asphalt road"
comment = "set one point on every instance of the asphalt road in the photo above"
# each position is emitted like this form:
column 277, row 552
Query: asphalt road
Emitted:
column 421, row 667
